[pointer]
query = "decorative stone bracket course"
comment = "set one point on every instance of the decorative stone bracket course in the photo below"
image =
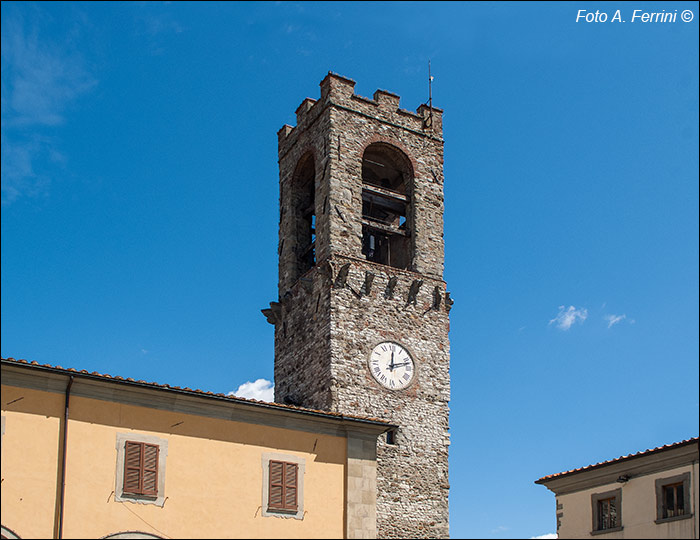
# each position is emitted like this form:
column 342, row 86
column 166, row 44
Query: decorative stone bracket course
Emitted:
column 366, row 279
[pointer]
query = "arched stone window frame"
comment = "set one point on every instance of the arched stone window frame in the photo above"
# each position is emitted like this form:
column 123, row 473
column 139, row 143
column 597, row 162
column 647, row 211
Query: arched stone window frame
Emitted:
column 303, row 206
column 388, row 229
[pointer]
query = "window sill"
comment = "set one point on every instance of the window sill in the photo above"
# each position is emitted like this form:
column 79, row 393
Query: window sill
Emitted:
column 139, row 496
column 674, row 518
column 282, row 510
column 605, row 531
column 140, row 499
column 279, row 513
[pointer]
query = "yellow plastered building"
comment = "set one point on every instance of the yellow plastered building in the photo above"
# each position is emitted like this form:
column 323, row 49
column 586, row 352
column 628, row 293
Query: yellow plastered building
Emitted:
column 86, row 455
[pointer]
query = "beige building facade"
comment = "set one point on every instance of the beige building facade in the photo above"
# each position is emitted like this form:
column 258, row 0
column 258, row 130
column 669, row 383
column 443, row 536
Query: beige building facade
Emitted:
column 650, row 494
column 92, row 456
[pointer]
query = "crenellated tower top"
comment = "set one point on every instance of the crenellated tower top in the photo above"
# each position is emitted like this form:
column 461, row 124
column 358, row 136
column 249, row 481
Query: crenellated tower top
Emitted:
column 340, row 91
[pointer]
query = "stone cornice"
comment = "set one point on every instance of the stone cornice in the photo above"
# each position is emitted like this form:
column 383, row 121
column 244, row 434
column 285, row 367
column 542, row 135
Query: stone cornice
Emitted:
column 634, row 466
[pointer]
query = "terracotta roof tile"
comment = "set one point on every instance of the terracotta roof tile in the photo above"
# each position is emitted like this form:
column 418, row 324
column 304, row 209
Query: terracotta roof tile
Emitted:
column 197, row 392
column 621, row 458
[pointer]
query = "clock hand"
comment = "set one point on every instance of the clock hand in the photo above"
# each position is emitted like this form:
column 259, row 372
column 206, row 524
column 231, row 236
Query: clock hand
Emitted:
column 392, row 365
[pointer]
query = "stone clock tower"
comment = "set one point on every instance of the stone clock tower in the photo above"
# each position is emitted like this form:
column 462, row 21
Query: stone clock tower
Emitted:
column 361, row 323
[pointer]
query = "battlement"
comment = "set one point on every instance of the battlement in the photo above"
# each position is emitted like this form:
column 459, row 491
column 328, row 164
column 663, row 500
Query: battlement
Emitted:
column 339, row 91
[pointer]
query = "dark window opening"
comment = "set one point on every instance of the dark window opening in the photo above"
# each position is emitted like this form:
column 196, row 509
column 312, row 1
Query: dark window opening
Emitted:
column 305, row 210
column 607, row 511
column 673, row 498
column 607, row 514
column 386, row 206
column 673, row 504
column 385, row 248
column 383, row 166
column 391, row 437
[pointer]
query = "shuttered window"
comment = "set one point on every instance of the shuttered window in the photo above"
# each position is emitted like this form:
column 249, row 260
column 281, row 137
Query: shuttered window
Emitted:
column 141, row 468
column 283, row 486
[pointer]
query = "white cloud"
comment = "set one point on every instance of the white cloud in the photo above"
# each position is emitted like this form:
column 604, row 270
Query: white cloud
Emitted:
column 549, row 535
column 261, row 389
column 40, row 79
column 566, row 317
column 614, row 319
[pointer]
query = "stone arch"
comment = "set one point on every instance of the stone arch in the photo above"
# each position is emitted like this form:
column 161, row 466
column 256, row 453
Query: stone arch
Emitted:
column 386, row 165
column 131, row 535
column 392, row 144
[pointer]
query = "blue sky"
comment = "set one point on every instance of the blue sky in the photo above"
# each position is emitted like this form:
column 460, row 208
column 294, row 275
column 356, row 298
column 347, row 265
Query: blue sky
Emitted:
column 140, row 192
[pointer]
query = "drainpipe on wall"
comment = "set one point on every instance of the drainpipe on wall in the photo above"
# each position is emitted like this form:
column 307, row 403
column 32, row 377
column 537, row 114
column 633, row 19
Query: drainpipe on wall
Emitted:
column 694, row 487
column 63, row 461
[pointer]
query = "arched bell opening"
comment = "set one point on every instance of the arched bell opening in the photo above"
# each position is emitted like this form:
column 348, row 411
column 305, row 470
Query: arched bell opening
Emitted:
column 387, row 180
column 304, row 208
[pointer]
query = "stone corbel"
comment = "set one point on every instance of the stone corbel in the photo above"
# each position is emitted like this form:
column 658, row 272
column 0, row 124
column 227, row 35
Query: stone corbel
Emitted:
column 342, row 277
column 273, row 314
column 437, row 297
column 369, row 278
column 413, row 291
column 448, row 302
column 389, row 292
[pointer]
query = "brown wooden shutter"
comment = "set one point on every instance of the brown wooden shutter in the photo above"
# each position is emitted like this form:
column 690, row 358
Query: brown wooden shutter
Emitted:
column 132, row 467
column 275, row 498
column 141, row 468
column 290, row 486
column 150, row 469
column 283, row 489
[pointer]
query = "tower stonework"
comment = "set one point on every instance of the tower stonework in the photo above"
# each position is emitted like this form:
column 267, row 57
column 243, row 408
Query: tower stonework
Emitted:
column 362, row 318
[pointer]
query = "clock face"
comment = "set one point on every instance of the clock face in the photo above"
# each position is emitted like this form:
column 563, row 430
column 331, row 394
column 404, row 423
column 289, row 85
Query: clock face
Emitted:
column 391, row 365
